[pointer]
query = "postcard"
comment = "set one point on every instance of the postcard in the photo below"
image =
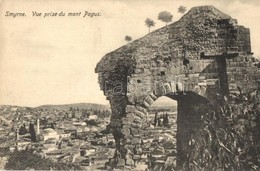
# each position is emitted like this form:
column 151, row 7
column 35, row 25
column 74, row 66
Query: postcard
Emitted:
column 129, row 85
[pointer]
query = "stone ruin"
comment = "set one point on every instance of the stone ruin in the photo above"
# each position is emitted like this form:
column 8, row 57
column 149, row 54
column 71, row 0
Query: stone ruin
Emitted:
column 192, row 60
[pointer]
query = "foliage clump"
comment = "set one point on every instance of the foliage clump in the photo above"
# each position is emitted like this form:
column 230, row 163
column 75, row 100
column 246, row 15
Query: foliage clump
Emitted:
column 165, row 16
column 149, row 23
column 228, row 138
column 128, row 38
column 182, row 9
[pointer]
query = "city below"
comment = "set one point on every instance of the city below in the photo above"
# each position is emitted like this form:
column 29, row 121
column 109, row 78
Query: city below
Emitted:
column 79, row 136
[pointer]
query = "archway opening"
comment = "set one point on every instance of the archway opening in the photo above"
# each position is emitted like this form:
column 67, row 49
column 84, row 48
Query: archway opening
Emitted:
column 159, row 141
column 163, row 113
column 168, row 141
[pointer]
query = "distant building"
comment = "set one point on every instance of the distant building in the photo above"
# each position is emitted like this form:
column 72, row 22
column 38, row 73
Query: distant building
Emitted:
column 92, row 117
column 22, row 144
column 49, row 133
column 49, row 145
column 38, row 126
column 54, row 153
column 79, row 123
column 72, row 131
column 65, row 135
column 86, row 149
column 86, row 129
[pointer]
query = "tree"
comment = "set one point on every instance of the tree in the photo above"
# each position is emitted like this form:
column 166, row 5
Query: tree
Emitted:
column 182, row 9
column 165, row 16
column 155, row 119
column 32, row 132
column 52, row 125
column 149, row 23
column 23, row 130
column 159, row 122
column 128, row 39
column 166, row 120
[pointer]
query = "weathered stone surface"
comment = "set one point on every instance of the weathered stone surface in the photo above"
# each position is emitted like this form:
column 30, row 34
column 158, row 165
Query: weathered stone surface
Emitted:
column 158, row 91
column 146, row 104
column 141, row 109
column 126, row 132
column 131, row 99
column 138, row 120
column 149, row 100
column 158, row 151
column 136, row 141
column 128, row 119
column 130, row 149
column 136, row 132
column 167, row 88
column 202, row 90
column 129, row 160
column 120, row 163
column 130, row 109
column 140, row 114
column 136, row 157
column 108, row 166
column 139, row 150
column 153, row 96
column 138, row 135
column 136, row 125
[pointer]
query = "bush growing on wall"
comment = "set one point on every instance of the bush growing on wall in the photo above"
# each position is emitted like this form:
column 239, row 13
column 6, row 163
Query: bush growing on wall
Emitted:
column 228, row 138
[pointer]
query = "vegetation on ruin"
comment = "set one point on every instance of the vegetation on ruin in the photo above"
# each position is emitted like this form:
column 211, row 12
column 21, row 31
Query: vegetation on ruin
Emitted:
column 149, row 23
column 182, row 9
column 228, row 139
column 165, row 16
column 128, row 38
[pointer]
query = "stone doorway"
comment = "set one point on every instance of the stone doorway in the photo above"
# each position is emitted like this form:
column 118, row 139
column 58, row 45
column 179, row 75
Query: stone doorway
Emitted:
column 159, row 139
column 130, row 126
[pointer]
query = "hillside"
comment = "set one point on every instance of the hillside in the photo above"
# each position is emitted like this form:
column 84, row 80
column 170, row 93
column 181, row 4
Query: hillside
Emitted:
column 59, row 107
column 76, row 105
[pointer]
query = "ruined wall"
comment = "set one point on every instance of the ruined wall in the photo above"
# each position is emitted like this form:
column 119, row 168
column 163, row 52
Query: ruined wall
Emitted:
column 173, row 54
column 181, row 61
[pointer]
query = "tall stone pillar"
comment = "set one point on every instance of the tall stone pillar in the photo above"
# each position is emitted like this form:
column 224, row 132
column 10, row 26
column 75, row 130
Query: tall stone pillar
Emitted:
column 17, row 135
column 38, row 126
column 132, row 131
column 118, row 104
column 126, row 122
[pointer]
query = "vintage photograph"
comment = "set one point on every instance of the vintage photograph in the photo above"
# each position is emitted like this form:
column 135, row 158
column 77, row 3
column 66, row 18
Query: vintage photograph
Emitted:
column 140, row 85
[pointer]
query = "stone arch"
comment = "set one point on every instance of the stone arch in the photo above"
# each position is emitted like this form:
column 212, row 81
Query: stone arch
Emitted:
column 172, row 90
column 128, row 134
column 191, row 106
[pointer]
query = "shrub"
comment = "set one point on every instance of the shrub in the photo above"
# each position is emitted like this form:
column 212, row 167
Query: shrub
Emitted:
column 27, row 159
column 228, row 138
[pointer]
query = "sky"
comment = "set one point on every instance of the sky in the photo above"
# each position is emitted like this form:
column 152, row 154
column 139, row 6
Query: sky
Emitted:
column 51, row 60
